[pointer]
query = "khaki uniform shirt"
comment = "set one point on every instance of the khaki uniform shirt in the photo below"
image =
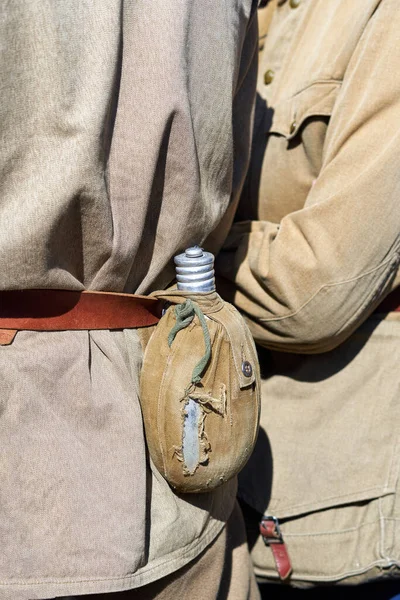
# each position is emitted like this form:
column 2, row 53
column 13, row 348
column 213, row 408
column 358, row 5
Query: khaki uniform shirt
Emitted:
column 320, row 252
column 124, row 134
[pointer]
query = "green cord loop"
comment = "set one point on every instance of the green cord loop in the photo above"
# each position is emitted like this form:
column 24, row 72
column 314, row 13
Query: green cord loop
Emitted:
column 185, row 314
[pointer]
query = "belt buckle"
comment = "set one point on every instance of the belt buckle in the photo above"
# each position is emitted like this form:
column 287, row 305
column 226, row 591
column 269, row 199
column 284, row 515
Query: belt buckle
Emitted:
column 272, row 535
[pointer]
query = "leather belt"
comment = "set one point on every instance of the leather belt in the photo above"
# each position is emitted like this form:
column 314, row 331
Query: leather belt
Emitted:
column 61, row 310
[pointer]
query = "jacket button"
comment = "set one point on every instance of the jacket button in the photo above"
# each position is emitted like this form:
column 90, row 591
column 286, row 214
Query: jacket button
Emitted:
column 247, row 369
column 268, row 76
column 293, row 127
column 294, row 3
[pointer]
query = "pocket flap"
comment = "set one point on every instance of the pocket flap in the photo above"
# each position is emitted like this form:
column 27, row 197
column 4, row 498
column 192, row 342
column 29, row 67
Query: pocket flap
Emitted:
column 317, row 99
column 329, row 433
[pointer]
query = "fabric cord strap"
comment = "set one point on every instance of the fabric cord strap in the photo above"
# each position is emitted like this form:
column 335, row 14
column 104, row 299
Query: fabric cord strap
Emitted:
column 185, row 314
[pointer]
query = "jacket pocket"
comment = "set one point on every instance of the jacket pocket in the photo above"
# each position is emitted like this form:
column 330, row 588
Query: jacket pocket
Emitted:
column 329, row 426
column 290, row 115
column 287, row 151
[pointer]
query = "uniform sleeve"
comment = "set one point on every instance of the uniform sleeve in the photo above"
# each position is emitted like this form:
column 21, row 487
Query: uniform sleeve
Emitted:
column 307, row 283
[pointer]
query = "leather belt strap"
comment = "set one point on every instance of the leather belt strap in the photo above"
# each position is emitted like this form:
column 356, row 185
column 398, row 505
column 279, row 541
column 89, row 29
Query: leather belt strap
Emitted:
column 272, row 536
column 59, row 310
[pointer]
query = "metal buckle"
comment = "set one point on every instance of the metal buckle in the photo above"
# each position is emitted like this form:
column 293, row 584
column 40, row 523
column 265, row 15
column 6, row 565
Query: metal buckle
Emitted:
column 278, row 538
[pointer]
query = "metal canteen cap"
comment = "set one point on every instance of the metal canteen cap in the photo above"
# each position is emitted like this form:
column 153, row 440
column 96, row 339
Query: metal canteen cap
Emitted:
column 195, row 270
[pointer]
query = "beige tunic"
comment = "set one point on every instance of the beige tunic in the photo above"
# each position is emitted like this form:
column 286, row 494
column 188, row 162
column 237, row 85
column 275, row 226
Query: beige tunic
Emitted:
column 320, row 253
column 124, row 134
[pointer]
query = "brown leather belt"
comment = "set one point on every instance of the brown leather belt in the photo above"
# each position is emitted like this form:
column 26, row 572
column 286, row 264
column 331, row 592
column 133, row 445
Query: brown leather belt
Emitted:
column 60, row 310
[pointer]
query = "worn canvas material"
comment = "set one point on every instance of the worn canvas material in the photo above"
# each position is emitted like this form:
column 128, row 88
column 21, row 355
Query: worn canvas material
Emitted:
column 200, row 433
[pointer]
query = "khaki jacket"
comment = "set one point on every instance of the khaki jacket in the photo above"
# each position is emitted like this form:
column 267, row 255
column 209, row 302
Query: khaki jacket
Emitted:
column 117, row 130
column 319, row 253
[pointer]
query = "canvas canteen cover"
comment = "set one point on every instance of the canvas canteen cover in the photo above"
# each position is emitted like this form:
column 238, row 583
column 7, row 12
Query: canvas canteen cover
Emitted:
column 200, row 392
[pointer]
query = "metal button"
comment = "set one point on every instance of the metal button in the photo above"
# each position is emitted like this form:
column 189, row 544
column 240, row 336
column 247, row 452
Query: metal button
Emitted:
column 294, row 3
column 247, row 369
column 293, row 127
column 269, row 76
